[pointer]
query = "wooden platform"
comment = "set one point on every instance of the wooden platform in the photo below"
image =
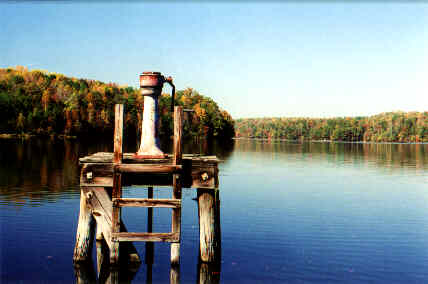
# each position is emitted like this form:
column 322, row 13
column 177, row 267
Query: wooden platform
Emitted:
column 197, row 171
column 104, row 174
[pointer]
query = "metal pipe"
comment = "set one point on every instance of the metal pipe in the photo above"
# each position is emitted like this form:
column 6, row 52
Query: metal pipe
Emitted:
column 169, row 81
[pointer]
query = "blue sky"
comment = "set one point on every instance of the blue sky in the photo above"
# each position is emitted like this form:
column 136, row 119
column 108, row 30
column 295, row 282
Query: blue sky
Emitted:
column 317, row 59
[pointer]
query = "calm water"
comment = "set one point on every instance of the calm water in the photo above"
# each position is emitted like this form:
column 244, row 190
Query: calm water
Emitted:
column 290, row 212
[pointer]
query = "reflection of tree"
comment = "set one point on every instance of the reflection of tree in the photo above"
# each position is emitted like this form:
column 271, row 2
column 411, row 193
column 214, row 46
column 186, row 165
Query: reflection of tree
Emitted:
column 40, row 170
column 392, row 156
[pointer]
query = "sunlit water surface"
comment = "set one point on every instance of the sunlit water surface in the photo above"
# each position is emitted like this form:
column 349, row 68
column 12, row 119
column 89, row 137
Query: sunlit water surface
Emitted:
column 290, row 212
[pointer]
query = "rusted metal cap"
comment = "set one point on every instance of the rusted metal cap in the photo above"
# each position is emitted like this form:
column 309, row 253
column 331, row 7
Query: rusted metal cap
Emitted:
column 151, row 80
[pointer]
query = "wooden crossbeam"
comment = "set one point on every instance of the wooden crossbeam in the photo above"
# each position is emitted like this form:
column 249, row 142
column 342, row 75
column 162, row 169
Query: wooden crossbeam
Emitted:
column 147, row 168
column 147, row 202
column 146, row 237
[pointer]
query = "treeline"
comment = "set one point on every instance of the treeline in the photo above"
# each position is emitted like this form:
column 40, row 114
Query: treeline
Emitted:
column 38, row 102
column 384, row 127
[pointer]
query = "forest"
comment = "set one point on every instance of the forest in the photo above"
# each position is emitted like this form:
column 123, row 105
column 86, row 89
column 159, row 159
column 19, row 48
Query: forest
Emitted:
column 384, row 127
column 38, row 102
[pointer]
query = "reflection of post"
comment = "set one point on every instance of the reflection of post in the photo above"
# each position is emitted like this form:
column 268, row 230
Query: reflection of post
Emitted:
column 103, row 261
column 209, row 225
column 84, row 272
column 113, row 278
column 85, row 230
column 175, row 274
column 209, row 273
column 149, row 245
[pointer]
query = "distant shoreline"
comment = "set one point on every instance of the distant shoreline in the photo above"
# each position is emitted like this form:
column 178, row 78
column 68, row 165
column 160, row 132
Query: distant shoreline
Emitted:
column 28, row 136
column 326, row 141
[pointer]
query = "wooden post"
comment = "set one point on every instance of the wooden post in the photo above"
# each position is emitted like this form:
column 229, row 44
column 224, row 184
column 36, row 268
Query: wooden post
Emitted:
column 99, row 234
column 149, row 245
column 176, row 222
column 85, row 230
column 117, row 180
column 178, row 134
column 209, row 225
column 101, row 206
column 118, row 133
column 176, row 212
column 117, row 189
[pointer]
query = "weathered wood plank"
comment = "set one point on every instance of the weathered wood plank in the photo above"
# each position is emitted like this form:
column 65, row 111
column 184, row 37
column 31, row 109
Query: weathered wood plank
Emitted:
column 178, row 134
column 99, row 211
column 96, row 174
column 209, row 225
column 145, row 237
column 107, row 157
column 85, row 231
column 146, row 202
column 176, row 221
column 117, row 193
column 101, row 207
column 193, row 176
column 196, row 173
column 150, row 251
column 147, row 168
column 176, row 184
column 204, row 177
column 118, row 133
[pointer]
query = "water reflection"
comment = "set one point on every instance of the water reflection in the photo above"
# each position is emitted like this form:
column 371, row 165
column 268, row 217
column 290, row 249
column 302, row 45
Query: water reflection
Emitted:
column 393, row 156
column 33, row 171
column 308, row 212
column 45, row 170
column 39, row 170
column 106, row 274
column 208, row 273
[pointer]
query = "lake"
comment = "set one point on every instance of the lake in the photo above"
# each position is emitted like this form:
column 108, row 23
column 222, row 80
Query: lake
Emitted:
column 290, row 212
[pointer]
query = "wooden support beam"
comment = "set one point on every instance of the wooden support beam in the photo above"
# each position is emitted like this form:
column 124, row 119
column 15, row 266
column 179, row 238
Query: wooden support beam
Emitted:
column 97, row 174
column 117, row 193
column 176, row 222
column 118, row 133
column 85, row 231
column 99, row 235
column 145, row 237
column 178, row 135
column 196, row 172
column 101, row 206
column 146, row 202
column 209, row 225
column 149, row 259
column 147, row 168
column 176, row 184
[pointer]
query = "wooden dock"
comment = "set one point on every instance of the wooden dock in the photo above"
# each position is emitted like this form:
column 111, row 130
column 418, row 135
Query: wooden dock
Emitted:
column 104, row 174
